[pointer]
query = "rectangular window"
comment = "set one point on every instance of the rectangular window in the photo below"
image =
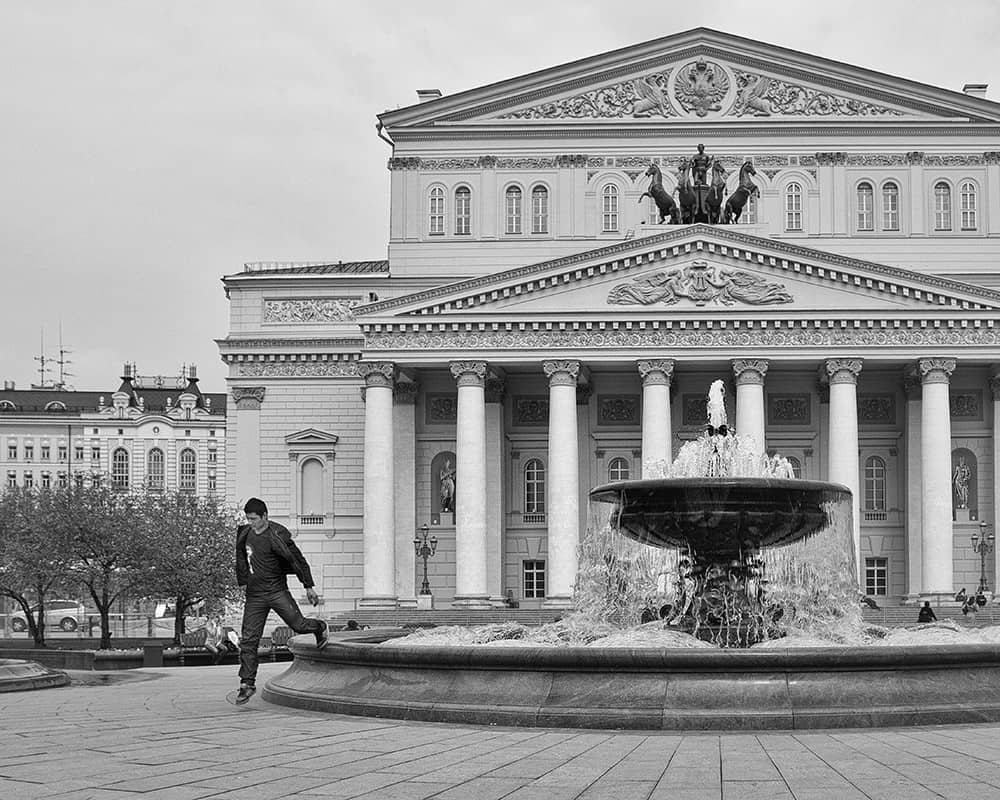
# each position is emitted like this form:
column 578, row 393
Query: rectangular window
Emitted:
column 46, row 453
column 11, row 480
column 213, row 456
column 793, row 211
column 609, row 215
column 866, row 213
column 95, row 453
column 29, row 452
column 968, row 199
column 212, row 483
column 534, row 578
column 46, row 480
column 890, row 208
column 463, row 212
column 942, row 207
column 62, row 482
column 29, row 480
column 62, row 452
column 78, row 452
column 78, row 480
column 876, row 576
column 12, row 452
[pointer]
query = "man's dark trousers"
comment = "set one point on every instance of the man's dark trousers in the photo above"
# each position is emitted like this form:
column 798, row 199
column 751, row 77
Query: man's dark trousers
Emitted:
column 258, row 606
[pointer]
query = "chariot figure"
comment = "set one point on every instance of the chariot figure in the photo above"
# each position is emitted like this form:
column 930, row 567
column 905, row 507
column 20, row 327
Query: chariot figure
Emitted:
column 700, row 165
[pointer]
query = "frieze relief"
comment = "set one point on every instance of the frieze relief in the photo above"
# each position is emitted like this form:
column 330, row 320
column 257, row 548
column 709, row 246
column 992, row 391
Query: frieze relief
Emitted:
column 442, row 409
column 761, row 95
column 618, row 409
column 313, row 309
column 876, row 409
column 298, row 369
column 642, row 97
column 789, row 409
column 966, row 405
column 531, row 411
column 701, row 282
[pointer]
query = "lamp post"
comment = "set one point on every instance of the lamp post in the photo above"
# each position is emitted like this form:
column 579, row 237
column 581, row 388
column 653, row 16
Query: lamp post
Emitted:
column 982, row 544
column 425, row 549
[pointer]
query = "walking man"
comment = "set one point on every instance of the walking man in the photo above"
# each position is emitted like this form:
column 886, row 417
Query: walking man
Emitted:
column 265, row 554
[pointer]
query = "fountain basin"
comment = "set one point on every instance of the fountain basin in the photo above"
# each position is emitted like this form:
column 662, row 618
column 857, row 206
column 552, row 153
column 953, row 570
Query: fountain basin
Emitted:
column 720, row 516
column 644, row 689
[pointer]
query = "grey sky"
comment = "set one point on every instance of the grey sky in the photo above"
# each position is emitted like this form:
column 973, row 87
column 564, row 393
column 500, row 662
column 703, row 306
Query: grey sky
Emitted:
column 149, row 147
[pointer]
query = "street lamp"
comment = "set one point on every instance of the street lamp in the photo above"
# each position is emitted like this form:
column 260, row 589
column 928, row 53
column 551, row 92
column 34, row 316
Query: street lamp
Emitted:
column 982, row 544
column 425, row 549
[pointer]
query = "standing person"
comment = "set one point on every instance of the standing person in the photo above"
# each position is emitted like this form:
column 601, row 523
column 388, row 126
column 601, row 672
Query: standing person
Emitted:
column 265, row 554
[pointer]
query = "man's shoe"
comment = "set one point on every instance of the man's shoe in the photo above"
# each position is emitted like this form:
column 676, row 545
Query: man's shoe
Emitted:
column 323, row 636
column 245, row 693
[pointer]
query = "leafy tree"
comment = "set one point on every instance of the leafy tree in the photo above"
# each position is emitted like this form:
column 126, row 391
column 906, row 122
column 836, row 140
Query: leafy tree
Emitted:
column 191, row 551
column 34, row 552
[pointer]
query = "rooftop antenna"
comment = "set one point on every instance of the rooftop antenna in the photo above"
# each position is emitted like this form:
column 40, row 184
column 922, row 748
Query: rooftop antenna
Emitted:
column 63, row 362
column 43, row 366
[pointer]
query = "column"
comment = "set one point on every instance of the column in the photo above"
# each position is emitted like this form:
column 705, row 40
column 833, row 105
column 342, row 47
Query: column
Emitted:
column 494, row 489
column 750, row 400
column 843, row 450
column 247, row 471
column 914, row 488
column 379, row 540
column 935, row 471
column 563, row 490
column 994, row 513
column 656, row 378
column 470, row 484
column 404, row 438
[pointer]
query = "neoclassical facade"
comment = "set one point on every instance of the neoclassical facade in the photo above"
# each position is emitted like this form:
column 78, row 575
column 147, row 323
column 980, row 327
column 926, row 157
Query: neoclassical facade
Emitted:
column 536, row 331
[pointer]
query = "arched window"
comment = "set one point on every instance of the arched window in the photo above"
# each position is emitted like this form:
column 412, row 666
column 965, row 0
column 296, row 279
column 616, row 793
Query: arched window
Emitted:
column 942, row 206
column 796, row 466
column 539, row 210
column 55, row 405
column 890, row 207
column 609, row 209
column 7, row 405
column 311, row 488
column 119, row 468
column 967, row 198
column 874, row 484
column 189, row 471
column 793, row 206
column 534, row 487
column 463, row 211
column 866, row 207
column 514, row 208
column 154, row 470
column 436, row 212
column 618, row 469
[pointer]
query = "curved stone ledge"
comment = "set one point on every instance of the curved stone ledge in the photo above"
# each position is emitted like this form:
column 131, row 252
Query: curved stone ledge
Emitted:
column 649, row 689
column 17, row 676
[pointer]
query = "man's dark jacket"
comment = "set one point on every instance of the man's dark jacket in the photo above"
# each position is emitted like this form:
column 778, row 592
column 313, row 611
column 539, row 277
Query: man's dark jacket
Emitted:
column 281, row 545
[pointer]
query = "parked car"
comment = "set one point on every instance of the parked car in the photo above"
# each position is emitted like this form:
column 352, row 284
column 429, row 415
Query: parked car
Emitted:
column 67, row 615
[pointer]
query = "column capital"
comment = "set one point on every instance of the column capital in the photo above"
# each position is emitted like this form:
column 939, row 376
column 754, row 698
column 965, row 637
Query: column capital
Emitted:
column 405, row 392
column 995, row 386
column 911, row 382
column 749, row 370
column 496, row 388
column 656, row 372
column 377, row 373
column 561, row 373
column 248, row 397
column 935, row 370
column 469, row 373
column 843, row 370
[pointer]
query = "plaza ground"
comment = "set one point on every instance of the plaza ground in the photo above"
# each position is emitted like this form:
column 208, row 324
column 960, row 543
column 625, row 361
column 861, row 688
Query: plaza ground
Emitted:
column 170, row 734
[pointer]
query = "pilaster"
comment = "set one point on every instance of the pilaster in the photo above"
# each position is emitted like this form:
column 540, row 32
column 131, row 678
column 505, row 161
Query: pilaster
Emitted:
column 248, row 400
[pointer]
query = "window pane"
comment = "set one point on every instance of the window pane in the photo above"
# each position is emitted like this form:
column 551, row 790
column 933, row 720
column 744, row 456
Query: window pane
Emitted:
column 942, row 207
column 876, row 576
column 618, row 470
column 968, row 206
column 540, row 210
column 189, row 471
column 513, row 210
column 436, row 226
column 534, row 487
column 609, row 201
column 793, row 207
column 463, row 211
column 534, row 578
column 119, row 469
column 874, row 484
column 866, row 210
column 154, row 469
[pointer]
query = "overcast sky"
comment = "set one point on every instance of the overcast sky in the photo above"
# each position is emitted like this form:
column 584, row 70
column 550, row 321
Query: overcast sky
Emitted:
column 150, row 147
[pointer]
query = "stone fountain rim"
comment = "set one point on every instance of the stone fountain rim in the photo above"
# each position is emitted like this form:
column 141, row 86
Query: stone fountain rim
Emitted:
column 797, row 484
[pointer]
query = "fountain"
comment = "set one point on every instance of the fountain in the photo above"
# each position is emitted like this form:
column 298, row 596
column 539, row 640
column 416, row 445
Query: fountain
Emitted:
column 744, row 579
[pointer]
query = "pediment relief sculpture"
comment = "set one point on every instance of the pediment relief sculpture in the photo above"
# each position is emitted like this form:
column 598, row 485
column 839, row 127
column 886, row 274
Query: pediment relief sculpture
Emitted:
column 703, row 88
column 702, row 283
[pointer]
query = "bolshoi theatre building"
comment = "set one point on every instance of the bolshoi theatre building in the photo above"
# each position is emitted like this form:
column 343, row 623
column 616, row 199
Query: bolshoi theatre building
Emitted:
column 542, row 324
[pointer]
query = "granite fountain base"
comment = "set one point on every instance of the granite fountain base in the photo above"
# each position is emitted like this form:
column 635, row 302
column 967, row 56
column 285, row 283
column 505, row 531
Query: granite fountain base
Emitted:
column 644, row 689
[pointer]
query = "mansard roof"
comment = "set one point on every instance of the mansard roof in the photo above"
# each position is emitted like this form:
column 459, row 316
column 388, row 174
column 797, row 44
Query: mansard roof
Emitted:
column 696, row 77
column 268, row 268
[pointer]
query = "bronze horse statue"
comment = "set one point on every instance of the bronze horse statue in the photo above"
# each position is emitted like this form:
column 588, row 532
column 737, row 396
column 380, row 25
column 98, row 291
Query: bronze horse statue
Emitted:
column 701, row 203
column 741, row 195
column 664, row 201
column 687, row 199
column 716, row 193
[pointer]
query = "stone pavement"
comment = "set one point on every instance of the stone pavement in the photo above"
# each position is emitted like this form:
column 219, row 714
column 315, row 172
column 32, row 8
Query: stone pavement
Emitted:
column 170, row 734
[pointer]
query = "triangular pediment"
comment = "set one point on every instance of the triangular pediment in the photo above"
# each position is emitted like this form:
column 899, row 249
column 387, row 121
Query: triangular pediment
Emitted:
column 698, row 76
column 694, row 271
column 311, row 436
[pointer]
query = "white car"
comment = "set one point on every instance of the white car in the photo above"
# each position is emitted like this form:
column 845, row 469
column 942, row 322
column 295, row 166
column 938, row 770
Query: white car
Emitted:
column 66, row 615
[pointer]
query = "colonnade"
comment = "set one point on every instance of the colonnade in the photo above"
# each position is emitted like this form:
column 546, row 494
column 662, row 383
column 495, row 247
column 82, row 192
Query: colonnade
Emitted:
column 563, row 485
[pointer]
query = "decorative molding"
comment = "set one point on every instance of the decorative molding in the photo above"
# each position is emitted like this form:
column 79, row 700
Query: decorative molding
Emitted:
column 831, row 159
column 469, row 373
column 311, row 309
column 527, row 162
column 248, row 397
column 843, row 370
column 639, row 97
column 915, row 157
column 619, row 409
column 936, row 370
column 789, row 409
column 254, row 344
column 441, row 409
column 954, row 160
column 298, row 369
column 561, row 373
column 573, row 160
column 966, row 405
column 405, row 162
column 531, row 411
column 876, row 409
column 429, row 164
column 876, row 160
column 377, row 373
column 656, row 371
column 750, row 371
column 701, row 282
column 761, row 95
column 991, row 157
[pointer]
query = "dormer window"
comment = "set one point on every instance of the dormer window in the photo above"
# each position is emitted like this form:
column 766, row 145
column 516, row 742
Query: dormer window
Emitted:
column 55, row 405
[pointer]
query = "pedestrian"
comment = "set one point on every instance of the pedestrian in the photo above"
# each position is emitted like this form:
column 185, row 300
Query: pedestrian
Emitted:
column 265, row 554
column 926, row 613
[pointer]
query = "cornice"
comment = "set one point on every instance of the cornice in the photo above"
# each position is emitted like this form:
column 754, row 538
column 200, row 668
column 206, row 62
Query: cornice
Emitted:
column 286, row 343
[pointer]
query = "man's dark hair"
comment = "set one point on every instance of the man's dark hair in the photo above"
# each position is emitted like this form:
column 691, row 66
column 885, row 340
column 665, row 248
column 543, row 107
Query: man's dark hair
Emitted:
column 255, row 506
